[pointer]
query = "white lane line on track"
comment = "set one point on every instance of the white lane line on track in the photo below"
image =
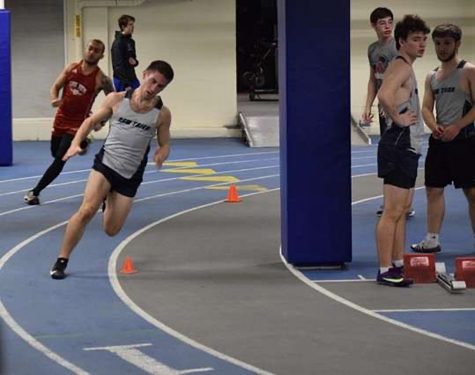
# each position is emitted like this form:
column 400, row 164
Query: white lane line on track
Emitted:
column 43, row 204
column 403, row 325
column 22, row 333
column 328, row 281
column 143, row 183
column 364, row 157
column 17, row 328
column 220, row 156
column 166, row 180
column 213, row 174
column 147, row 172
column 451, row 309
column 375, row 174
column 364, row 174
column 376, row 196
column 39, row 176
column 175, row 160
column 203, row 187
column 151, row 163
column 371, row 313
column 49, row 186
column 363, row 165
column 364, row 151
column 147, row 317
column 156, row 171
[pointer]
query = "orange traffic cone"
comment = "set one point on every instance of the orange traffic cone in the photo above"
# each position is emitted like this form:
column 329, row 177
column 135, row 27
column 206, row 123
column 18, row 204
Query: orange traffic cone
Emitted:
column 233, row 196
column 128, row 266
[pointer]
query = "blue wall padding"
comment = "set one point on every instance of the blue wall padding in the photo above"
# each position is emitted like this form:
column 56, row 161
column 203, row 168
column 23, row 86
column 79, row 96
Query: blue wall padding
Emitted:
column 315, row 147
column 6, row 146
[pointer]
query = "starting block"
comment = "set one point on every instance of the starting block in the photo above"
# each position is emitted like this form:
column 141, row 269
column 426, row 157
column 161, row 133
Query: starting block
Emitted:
column 420, row 267
column 465, row 270
column 447, row 281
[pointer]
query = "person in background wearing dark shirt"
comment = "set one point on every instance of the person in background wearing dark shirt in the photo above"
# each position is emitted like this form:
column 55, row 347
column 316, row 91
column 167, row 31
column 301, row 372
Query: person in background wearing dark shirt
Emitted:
column 124, row 58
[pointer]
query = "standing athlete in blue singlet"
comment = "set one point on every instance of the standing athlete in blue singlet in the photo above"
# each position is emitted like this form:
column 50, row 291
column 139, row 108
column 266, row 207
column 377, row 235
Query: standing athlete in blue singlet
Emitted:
column 399, row 148
column 135, row 117
column 451, row 154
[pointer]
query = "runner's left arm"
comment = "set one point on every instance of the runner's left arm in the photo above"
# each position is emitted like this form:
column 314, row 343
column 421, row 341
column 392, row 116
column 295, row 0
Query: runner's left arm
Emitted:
column 163, row 137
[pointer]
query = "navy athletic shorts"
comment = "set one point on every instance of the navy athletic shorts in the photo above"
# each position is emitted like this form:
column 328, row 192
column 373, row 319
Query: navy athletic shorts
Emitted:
column 397, row 166
column 450, row 162
column 120, row 184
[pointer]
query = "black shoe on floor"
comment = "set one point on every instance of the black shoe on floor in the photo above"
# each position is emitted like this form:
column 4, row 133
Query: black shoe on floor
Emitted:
column 31, row 199
column 57, row 272
column 394, row 277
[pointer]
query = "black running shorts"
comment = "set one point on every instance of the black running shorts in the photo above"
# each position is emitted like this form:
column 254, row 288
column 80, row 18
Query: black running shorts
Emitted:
column 60, row 143
column 397, row 166
column 450, row 162
column 122, row 185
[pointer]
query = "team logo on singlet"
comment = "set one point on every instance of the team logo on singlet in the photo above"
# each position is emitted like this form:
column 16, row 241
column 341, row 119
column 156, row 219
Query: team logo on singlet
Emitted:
column 135, row 124
column 77, row 88
column 444, row 90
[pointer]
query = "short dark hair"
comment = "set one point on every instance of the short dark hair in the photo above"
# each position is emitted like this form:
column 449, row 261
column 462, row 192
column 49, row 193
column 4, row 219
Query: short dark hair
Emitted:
column 124, row 20
column 447, row 30
column 409, row 24
column 380, row 13
column 162, row 67
column 100, row 42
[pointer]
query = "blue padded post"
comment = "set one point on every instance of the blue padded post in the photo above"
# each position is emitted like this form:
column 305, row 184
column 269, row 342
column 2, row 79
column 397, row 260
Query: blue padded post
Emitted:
column 6, row 146
column 315, row 146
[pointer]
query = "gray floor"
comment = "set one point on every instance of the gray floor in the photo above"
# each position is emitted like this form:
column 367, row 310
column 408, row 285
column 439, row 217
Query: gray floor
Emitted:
column 257, row 108
column 260, row 120
column 216, row 276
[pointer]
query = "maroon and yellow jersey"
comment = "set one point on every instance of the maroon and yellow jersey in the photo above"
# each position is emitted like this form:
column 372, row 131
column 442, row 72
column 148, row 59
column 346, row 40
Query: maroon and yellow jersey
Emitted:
column 79, row 92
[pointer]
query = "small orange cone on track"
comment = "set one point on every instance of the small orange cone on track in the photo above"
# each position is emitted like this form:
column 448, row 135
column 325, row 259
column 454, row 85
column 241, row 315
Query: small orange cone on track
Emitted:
column 128, row 266
column 233, row 196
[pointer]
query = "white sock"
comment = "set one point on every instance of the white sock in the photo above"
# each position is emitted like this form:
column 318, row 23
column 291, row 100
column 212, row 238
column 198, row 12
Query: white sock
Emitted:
column 432, row 239
column 383, row 269
column 398, row 263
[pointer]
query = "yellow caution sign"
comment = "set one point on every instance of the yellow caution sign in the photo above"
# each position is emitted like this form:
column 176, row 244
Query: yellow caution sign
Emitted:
column 77, row 26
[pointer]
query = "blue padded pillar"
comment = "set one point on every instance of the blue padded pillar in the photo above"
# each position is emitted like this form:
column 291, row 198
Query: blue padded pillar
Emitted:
column 6, row 147
column 314, row 82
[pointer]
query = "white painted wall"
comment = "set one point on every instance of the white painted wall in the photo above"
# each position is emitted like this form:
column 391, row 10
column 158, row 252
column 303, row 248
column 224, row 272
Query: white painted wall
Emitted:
column 198, row 38
column 434, row 12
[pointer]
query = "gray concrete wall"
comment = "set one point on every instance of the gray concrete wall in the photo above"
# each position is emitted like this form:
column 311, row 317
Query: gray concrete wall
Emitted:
column 37, row 54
